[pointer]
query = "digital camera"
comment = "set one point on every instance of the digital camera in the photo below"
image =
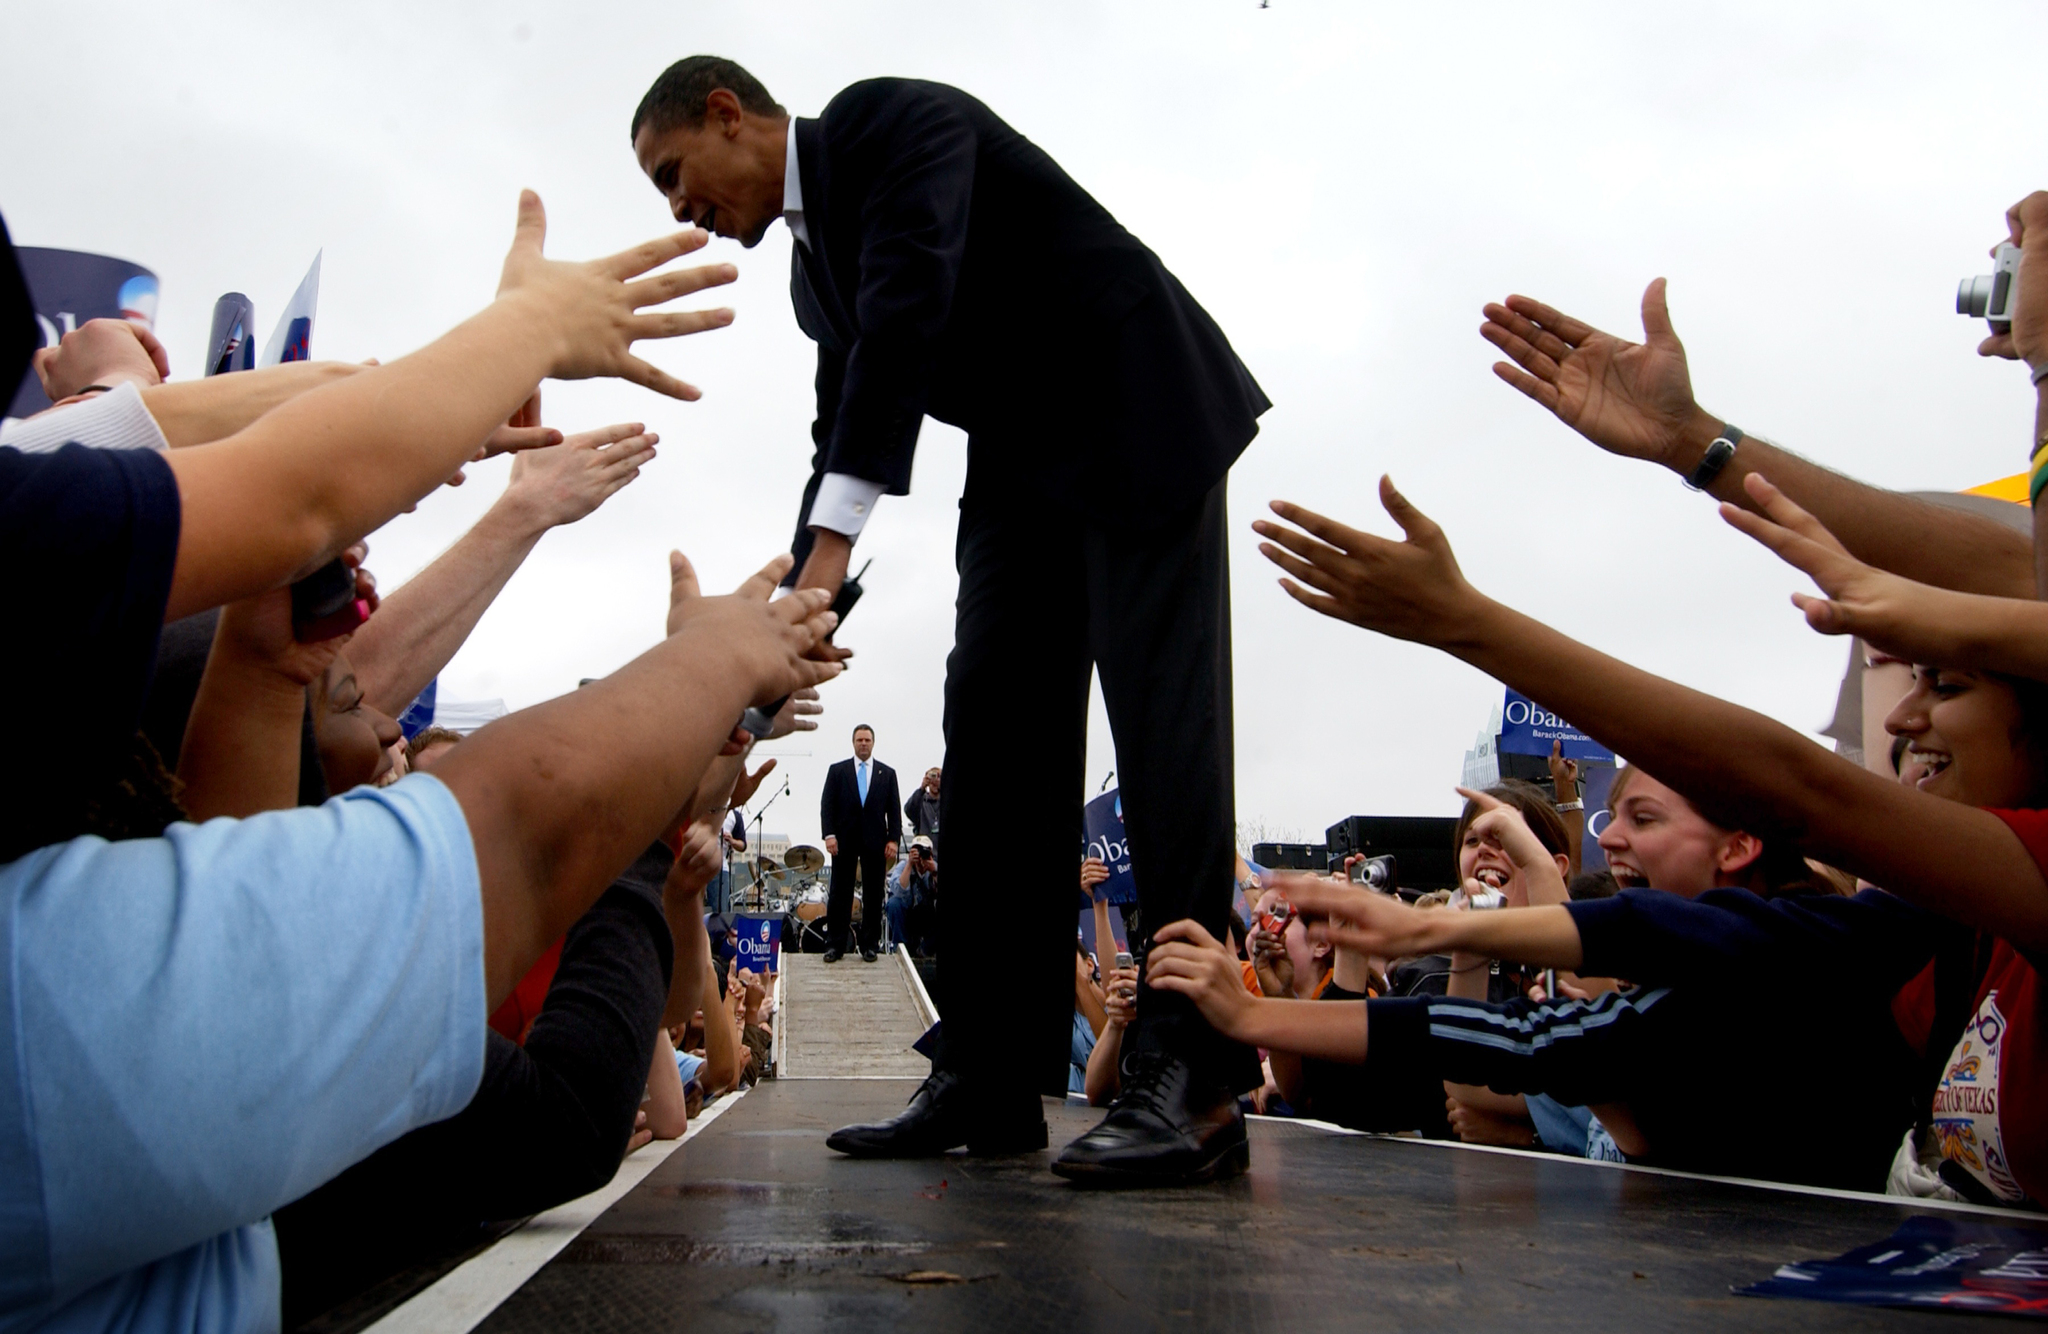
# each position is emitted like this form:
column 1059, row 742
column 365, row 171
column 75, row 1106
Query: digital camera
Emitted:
column 1380, row 873
column 1484, row 901
column 1992, row 297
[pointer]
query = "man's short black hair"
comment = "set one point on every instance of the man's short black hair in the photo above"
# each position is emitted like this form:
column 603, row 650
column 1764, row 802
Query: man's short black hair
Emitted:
column 863, row 728
column 680, row 95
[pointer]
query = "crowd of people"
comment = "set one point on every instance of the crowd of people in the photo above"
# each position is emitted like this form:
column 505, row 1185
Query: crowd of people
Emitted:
column 294, row 1000
column 1771, row 906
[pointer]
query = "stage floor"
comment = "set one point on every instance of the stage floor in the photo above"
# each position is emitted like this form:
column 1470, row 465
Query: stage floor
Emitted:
column 755, row 1225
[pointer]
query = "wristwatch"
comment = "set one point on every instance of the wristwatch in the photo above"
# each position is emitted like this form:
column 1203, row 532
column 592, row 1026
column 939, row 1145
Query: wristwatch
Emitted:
column 1716, row 458
column 1564, row 806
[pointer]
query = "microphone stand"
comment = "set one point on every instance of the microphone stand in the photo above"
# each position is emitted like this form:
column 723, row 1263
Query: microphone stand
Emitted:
column 760, row 839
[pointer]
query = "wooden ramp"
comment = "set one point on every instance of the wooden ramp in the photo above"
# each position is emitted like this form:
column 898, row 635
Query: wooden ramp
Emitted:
column 851, row 1020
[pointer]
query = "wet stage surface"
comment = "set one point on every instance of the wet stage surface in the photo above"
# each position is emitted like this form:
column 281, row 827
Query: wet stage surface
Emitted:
column 755, row 1225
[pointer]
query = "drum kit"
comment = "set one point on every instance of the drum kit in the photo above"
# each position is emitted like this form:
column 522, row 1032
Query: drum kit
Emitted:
column 789, row 886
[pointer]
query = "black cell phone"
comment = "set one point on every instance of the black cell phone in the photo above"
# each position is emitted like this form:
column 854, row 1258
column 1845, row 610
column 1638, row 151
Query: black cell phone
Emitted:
column 760, row 722
column 324, row 604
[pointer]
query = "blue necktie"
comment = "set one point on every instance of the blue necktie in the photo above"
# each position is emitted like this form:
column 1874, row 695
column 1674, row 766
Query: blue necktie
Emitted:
column 863, row 782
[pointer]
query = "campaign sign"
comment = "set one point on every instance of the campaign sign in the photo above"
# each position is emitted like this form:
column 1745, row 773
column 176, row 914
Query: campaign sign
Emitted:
column 1931, row 1261
column 419, row 715
column 291, row 340
column 1527, row 728
column 1102, row 823
column 70, row 287
column 231, row 344
column 759, row 941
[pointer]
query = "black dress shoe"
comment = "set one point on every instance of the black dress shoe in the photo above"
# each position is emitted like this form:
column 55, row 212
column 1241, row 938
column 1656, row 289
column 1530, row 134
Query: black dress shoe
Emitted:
column 1165, row 1129
column 945, row 1113
column 835, row 954
column 867, row 955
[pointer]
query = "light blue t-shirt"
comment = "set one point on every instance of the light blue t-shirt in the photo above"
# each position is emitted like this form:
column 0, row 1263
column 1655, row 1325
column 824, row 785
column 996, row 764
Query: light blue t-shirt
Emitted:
column 199, row 1028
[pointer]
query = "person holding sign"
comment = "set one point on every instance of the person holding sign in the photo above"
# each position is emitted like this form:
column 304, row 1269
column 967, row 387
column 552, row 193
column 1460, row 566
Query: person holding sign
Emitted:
column 946, row 266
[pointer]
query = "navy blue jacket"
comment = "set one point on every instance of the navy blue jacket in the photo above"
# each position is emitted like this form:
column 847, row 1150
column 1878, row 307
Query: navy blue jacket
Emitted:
column 1758, row 1041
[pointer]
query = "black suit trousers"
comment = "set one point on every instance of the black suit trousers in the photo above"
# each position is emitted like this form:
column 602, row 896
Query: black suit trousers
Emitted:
column 839, row 900
column 1049, row 590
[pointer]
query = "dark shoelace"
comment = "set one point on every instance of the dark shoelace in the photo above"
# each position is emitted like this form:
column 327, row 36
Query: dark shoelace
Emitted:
column 1144, row 1076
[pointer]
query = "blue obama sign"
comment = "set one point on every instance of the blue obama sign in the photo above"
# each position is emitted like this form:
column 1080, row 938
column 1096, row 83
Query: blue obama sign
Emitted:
column 70, row 287
column 1102, row 824
column 1527, row 728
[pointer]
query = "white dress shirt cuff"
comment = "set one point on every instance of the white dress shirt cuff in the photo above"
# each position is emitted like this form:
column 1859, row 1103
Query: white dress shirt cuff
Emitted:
column 844, row 503
column 115, row 420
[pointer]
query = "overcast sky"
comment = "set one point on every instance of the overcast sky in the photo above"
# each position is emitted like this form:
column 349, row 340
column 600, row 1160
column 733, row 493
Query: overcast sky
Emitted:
column 1342, row 185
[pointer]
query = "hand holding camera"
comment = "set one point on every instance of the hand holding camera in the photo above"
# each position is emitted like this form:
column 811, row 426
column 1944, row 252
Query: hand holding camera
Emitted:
column 2016, row 311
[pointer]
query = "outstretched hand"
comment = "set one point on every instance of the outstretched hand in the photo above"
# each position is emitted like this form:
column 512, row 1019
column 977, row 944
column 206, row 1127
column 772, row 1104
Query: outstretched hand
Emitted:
column 1358, row 919
column 1187, row 960
column 1631, row 399
column 1411, row 589
column 747, row 784
column 594, row 311
column 565, row 483
column 1890, row 613
column 771, row 640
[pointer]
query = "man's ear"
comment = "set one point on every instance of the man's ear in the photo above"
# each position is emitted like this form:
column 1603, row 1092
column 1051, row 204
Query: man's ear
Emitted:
column 723, row 112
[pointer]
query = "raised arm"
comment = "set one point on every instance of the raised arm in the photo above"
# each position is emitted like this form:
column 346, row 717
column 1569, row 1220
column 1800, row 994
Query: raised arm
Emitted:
column 426, row 620
column 561, row 797
column 1635, row 400
column 284, row 495
column 1741, row 769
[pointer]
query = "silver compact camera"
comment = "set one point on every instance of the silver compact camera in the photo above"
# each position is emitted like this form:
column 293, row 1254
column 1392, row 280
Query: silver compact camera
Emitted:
column 1380, row 873
column 1993, row 296
column 1486, row 900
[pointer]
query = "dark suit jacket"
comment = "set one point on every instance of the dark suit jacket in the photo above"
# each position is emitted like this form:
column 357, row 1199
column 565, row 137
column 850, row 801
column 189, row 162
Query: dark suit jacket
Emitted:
column 958, row 272
column 860, row 828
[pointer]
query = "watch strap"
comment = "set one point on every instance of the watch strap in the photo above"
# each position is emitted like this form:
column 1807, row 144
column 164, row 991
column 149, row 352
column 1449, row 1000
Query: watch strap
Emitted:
column 1716, row 458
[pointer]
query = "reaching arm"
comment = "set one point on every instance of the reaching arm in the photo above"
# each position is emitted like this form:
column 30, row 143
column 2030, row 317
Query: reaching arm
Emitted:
column 282, row 496
column 668, row 1111
column 1635, row 400
column 241, row 752
column 561, row 797
column 721, row 1073
column 1911, row 621
column 1741, row 769
column 427, row 619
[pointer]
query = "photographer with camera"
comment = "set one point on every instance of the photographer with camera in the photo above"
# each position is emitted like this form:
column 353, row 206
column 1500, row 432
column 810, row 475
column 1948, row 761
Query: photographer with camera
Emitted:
column 913, row 903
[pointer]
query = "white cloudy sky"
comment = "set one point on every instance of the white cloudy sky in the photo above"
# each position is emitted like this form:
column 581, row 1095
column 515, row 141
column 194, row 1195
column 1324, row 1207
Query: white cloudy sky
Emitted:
column 1342, row 185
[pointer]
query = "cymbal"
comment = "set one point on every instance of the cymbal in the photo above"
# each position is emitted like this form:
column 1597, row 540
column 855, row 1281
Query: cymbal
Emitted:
column 804, row 859
column 764, row 864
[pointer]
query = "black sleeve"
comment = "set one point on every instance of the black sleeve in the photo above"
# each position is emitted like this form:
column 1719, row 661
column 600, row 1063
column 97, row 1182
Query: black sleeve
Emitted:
column 913, row 239
column 549, row 1121
column 895, row 820
column 830, row 381
column 825, row 829
column 1732, row 936
column 1578, row 1052
column 92, row 537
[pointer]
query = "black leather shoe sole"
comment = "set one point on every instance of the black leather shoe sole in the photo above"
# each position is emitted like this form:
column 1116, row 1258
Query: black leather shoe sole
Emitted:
column 834, row 956
column 877, row 1142
column 867, row 956
column 1232, row 1159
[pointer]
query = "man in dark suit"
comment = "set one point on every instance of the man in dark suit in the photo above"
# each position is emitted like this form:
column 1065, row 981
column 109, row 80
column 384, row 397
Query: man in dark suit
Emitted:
column 857, row 815
column 946, row 266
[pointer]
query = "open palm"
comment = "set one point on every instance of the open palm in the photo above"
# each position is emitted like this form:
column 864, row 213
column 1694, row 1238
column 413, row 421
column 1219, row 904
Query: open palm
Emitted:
column 1632, row 399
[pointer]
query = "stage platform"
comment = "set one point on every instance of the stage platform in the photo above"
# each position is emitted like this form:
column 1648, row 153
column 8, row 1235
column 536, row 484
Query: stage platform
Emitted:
column 754, row 1225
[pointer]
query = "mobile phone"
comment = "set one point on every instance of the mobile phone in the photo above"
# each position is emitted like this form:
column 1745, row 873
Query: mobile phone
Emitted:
column 324, row 604
column 1123, row 959
column 760, row 722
